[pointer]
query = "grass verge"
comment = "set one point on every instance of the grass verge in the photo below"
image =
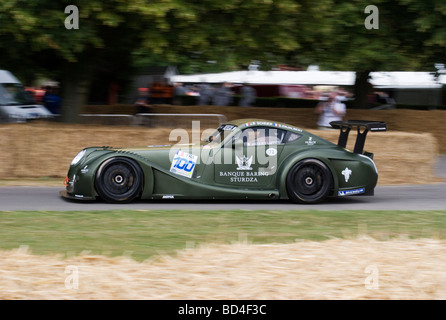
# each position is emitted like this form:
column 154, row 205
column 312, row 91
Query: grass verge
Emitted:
column 144, row 234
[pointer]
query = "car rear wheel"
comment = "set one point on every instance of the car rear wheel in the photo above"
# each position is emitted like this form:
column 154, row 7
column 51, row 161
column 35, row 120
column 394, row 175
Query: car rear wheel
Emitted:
column 309, row 181
column 119, row 180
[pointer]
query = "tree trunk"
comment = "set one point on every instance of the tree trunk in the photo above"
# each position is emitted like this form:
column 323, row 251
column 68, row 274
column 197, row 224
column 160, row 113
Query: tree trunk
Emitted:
column 75, row 90
column 361, row 89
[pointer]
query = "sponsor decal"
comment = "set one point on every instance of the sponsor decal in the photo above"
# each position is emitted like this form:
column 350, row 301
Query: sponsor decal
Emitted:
column 346, row 173
column 169, row 196
column 229, row 127
column 310, row 141
column 351, row 192
column 243, row 176
column 289, row 128
column 271, row 152
column 277, row 125
column 183, row 164
column 244, row 163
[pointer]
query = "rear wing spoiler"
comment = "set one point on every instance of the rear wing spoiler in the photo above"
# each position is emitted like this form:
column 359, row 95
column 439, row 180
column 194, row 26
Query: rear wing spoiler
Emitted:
column 363, row 127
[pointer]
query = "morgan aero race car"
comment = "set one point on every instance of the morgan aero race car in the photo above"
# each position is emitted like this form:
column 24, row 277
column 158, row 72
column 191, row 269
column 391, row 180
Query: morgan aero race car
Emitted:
column 243, row 159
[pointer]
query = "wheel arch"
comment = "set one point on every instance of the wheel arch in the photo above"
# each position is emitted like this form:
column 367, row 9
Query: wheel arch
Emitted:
column 289, row 163
column 147, row 179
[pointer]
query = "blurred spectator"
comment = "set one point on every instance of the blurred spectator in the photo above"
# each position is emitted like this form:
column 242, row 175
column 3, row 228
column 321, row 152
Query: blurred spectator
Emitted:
column 36, row 93
column 343, row 95
column 330, row 109
column 205, row 92
column 222, row 95
column 47, row 91
column 248, row 96
column 51, row 100
column 178, row 92
column 192, row 91
column 142, row 102
column 380, row 97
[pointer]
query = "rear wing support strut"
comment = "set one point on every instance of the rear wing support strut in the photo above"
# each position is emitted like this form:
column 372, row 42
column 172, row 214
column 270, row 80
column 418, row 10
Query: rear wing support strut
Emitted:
column 363, row 127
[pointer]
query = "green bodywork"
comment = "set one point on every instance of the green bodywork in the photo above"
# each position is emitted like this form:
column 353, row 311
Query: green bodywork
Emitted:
column 229, row 169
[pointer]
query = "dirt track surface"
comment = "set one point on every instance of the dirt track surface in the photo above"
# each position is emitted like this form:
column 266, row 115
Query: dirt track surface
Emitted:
column 361, row 268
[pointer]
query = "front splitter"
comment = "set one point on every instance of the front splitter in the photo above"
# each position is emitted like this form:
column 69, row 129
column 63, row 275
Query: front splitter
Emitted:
column 67, row 195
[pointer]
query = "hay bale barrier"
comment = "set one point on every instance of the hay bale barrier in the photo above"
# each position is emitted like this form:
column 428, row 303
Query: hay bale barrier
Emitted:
column 401, row 157
column 361, row 268
column 46, row 149
column 42, row 149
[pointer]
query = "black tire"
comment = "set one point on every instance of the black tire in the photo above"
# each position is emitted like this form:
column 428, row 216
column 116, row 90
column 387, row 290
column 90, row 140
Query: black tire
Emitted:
column 309, row 181
column 119, row 180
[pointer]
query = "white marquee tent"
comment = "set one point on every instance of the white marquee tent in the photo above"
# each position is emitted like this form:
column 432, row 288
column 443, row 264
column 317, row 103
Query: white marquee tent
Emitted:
column 332, row 78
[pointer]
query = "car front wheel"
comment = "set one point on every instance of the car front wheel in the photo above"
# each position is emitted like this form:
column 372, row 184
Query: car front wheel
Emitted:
column 119, row 180
column 309, row 181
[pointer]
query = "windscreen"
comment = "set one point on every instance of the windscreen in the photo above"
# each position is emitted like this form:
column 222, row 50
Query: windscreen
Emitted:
column 14, row 94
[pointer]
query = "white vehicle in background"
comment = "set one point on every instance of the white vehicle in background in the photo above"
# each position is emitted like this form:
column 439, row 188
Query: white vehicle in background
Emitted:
column 17, row 105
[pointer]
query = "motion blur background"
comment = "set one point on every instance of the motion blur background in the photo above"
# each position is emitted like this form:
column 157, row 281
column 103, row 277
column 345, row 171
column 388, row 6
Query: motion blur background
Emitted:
column 95, row 52
column 116, row 59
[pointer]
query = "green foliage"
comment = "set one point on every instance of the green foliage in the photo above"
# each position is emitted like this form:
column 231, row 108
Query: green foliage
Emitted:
column 411, row 36
column 215, row 35
column 171, row 31
column 331, row 33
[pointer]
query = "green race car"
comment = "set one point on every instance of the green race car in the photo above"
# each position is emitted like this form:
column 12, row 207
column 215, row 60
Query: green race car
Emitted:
column 242, row 159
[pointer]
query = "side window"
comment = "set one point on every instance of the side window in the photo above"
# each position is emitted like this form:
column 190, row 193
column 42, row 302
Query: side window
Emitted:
column 291, row 136
column 258, row 136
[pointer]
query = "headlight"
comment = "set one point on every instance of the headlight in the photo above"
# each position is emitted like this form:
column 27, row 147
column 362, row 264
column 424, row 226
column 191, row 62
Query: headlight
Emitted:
column 78, row 157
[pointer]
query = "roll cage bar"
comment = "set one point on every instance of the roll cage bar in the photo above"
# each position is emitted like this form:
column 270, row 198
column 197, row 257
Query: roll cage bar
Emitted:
column 363, row 127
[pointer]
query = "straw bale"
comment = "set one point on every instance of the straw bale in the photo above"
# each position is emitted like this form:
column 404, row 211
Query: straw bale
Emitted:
column 362, row 268
column 46, row 149
column 406, row 120
column 401, row 157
